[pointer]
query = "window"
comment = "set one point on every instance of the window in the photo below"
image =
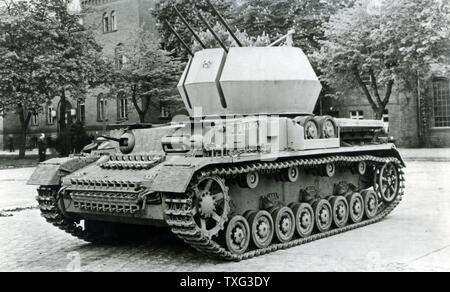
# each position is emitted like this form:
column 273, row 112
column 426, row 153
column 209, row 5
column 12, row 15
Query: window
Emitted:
column 386, row 120
column 119, row 57
column 105, row 23
column 35, row 120
column 51, row 114
column 357, row 115
column 113, row 21
column 366, row 79
column 122, row 107
column 386, row 116
column 81, row 108
column 165, row 112
column 441, row 102
column 102, row 108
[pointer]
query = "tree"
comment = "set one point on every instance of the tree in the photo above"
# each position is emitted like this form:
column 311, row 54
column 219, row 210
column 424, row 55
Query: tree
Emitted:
column 45, row 53
column 276, row 18
column 149, row 74
column 388, row 47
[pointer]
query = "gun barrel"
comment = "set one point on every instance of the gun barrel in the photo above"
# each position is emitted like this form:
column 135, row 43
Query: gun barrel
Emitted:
column 111, row 139
column 180, row 39
column 189, row 27
column 224, row 22
column 213, row 32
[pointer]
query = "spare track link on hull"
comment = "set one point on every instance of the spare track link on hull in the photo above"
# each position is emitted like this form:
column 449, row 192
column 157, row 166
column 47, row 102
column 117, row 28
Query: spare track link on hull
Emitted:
column 48, row 204
column 181, row 219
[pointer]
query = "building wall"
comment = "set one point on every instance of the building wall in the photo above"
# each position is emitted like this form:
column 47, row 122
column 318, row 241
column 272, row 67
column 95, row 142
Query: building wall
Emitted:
column 436, row 136
column 402, row 114
column 410, row 126
column 2, row 143
column 131, row 17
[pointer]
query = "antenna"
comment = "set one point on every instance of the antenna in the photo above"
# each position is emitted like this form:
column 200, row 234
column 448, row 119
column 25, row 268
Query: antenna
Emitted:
column 189, row 27
column 213, row 32
column 180, row 39
column 224, row 22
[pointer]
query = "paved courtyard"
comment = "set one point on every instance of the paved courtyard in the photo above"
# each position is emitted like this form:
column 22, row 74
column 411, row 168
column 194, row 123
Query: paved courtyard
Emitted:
column 415, row 237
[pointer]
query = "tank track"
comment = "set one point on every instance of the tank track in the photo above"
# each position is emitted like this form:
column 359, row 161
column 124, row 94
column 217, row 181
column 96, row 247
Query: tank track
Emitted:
column 181, row 220
column 48, row 205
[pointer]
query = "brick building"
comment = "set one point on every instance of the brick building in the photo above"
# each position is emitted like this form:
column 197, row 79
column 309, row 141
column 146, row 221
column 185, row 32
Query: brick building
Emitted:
column 414, row 121
column 116, row 23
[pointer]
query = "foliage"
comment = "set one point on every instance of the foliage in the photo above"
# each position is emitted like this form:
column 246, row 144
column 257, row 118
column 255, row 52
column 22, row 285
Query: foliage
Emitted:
column 44, row 52
column 149, row 75
column 395, row 45
column 276, row 18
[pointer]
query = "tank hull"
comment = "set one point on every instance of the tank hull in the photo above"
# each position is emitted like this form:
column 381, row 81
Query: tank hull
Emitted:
column 312, row 185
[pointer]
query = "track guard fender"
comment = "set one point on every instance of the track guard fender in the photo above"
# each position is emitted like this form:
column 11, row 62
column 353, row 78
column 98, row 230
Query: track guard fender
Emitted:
column 50, row 173
column 395, row 153
column 170, row 178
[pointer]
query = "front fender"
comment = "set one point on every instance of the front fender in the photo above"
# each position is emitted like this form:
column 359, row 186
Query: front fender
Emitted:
column 50, row 173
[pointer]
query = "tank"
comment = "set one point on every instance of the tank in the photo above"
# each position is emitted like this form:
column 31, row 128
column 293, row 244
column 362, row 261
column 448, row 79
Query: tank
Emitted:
column 250, row 172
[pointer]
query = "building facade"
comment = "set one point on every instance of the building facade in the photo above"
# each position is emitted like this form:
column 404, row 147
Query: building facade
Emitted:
column 414, row 120
column 116, row 24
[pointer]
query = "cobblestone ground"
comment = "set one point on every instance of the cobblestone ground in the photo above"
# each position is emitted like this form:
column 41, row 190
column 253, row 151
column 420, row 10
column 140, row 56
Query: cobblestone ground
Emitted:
column 415, row 237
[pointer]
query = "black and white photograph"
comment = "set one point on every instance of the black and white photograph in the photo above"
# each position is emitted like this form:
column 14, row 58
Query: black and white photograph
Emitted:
column 206, row 137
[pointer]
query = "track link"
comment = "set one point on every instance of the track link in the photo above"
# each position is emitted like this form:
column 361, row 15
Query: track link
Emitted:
column 48, row 204
column 181, row 219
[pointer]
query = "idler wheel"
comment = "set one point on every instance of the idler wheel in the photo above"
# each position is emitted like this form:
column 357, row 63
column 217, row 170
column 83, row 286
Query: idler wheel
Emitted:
column 311, row 127
column 323, row 215
column 328, row 127
column 237, row 235
column 356, row 207
column 262, row 228
column 284, row 221
column 340, row 211
column 211, row 205
column 387, row 182
column 304, row 219
column 370, row 204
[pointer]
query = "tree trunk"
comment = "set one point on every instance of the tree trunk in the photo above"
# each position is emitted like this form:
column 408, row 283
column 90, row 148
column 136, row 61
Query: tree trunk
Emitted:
column 379, row 113
column 24, row 121
column 23, row 142
column 141, row 117
column 62, row 112
column 63, row 137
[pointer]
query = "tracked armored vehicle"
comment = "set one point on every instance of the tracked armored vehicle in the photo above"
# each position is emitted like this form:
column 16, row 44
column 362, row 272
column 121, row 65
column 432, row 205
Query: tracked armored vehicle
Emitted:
column 250, row 172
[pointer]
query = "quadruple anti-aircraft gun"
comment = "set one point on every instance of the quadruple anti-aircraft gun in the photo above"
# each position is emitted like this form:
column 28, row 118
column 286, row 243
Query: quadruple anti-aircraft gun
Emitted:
column 251, row 171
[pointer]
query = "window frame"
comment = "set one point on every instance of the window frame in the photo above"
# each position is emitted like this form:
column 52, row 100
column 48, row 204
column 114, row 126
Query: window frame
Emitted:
column 358, row 116
column 105, row 22
column 81, row 111
column 118, row 56
column 443, row 103
column 50, row 119
column 165, row 112
column 113, row 16
column 35, row 119
column 122, row 109
column 102, row 108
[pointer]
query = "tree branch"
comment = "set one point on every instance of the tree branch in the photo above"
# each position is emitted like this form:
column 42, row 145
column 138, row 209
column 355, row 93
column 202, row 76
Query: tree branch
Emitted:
column 375, row 86
column 389, row 88
column 364, row 88
column 134, row 99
